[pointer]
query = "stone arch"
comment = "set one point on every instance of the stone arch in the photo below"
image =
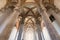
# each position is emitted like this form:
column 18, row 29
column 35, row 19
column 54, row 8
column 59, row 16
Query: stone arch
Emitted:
column 29, row 21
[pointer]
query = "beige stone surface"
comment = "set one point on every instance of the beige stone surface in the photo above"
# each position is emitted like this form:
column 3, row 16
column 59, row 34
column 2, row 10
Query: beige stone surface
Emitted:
column 29, row 0
column 57, row 3
column 2, row 3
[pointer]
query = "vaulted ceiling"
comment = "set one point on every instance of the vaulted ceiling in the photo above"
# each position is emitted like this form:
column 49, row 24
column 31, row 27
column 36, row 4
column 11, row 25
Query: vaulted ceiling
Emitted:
column 21, row 2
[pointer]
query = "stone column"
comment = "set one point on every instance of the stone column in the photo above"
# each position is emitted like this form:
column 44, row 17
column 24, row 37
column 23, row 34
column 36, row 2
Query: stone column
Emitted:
column 18, row 22
column 54, row 35
column 56, row 15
